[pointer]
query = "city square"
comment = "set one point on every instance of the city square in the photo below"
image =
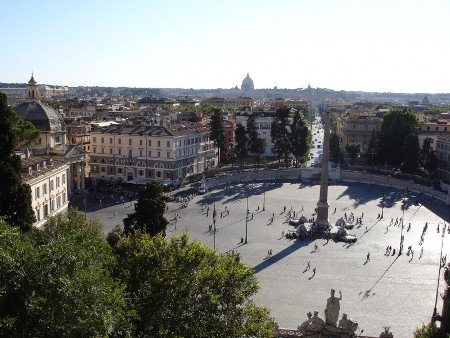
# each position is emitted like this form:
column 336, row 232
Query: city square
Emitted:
column 377, row 290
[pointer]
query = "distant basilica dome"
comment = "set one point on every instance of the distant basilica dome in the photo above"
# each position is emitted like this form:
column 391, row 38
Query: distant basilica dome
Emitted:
column 44, row 117
column 247, row 84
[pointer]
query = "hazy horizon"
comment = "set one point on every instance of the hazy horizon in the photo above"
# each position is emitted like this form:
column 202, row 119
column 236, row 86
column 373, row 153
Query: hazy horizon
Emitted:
column 372, row 46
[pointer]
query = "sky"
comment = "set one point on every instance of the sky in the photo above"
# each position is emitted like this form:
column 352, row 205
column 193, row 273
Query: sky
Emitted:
column 368, row 45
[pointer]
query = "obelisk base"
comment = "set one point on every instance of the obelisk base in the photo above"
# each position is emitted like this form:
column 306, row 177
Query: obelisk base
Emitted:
column 322, row 223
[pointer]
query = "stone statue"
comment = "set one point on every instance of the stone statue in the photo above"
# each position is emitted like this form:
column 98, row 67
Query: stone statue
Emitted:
column 347, row 324
column 386, row 333
column 332, row 309
column 305, row 324
column 316, row 323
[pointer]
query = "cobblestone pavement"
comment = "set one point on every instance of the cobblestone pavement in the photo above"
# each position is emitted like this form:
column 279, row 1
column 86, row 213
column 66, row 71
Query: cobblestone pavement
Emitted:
column 396, row 291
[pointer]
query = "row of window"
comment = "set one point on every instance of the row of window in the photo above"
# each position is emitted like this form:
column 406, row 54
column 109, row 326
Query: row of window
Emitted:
column 186, row 142
column 60, row 181
column 442, row 146
column 158, row 173
column 190, row 151
column 55, row 204
column 435, row 128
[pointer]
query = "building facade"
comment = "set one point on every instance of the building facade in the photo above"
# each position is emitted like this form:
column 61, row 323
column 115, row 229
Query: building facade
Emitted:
column 143, row 153
column 357, row 126
column 49, row 188
column 443, row 155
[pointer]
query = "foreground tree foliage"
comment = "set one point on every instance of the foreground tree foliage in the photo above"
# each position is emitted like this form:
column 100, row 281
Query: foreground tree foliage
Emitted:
column 241, row 143
column 15, row 195
column 149, row 211
column 300, row 138
column 183, row 289
column 280, row 135
column 429, row 331
column 57, row 282
column 217, row 131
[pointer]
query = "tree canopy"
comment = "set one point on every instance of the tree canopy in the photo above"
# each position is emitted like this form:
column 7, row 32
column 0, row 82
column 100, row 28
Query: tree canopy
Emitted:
column 280, row 134
column 241, row 142
column 300, row 138
column 217, row 131
column 15, row 195
column 183, row 289
column 149, row 211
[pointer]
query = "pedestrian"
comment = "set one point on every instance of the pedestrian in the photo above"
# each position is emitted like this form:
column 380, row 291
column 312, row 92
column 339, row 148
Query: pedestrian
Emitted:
column 308, row 266
column 282, row 234
column 368, row 257
column 314, row 271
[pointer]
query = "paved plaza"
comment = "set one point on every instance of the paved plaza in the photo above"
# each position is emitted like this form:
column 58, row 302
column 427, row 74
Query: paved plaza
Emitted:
column 395, row 291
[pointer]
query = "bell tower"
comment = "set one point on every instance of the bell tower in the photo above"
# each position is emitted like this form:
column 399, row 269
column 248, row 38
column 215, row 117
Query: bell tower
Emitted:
column 33, row 89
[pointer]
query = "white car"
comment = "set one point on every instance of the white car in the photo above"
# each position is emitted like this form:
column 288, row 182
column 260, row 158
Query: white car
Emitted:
column 201, row 189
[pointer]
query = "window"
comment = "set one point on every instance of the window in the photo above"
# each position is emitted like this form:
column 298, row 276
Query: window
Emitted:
column 37, row 194
column 38, row 214
column 119, row 170
column 168, row 154
column 159, row 143
column 94, row 150
column 95, row 139
column 120, row 151
column 159, row 154
column 44, row 189
column 130, row 141
column 119, row 141
column 57, row 182
column 158, row 173
column 103, row 169
column 103, row 140
column 167, row 175
column 141, row 172
column 140, row 143
column 58, row 202
column 64, row 197
column 140, row 152
column 110, row 151
column 51, row 185
column 110, row 140
column 52, row 204
column 103, row 150
column 46, row 210
column 149, row 143
column 130, row 153
column 63, row 179
column 168, row 143
column 149, row 153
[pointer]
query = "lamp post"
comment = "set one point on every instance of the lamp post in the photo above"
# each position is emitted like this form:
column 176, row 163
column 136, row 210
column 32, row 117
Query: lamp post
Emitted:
column 435, row 315
column 214, row 226
column 382, row 206
column 403, row 220
column 246, row 222
column 264, row 203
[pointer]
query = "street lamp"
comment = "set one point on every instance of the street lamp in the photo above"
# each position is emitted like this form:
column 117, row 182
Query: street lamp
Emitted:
column 246, row 222
column 435, row 314
column 382, row 206
column 264, row 203
column 214, row 226
column 403, row 220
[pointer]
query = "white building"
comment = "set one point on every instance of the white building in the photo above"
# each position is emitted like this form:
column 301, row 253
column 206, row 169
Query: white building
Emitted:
column 143, row 153
column 48, row 182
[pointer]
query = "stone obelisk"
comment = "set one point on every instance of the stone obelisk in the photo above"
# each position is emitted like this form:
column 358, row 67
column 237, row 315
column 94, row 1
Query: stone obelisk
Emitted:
column 322, row 206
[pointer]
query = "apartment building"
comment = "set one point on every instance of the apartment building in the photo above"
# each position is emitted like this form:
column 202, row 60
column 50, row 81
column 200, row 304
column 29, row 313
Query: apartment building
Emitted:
column 357, row 126
column 443, row 155
column 49, row 188
column 143, row 153
column 433, row 130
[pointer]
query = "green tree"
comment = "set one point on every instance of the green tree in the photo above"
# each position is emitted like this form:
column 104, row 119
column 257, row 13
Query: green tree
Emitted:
column 371, row 153
column 280, row 135
column 335, row 150
column 15, row 195
column 427, row 159
column 353, row 150
column 57, row 282
column 259, row 148
column 184, row 289
column 252, row 134
column 217, row 131
column 300, row 138
column 395, row 130
column 149, row 211
column 409, row 153
column 241, row 143
column 429, row 331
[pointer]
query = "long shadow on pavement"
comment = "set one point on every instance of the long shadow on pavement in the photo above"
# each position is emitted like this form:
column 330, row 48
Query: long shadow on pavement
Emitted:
column 367, row 293
column 283, row 253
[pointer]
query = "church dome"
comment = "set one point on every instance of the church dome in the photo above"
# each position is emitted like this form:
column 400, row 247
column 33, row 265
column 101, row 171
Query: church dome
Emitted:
column 247, row 84
column 44, row 117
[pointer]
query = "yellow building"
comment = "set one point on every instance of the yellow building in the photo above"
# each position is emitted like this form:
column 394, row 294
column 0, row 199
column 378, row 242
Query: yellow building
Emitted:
column 143, row 153
column 357, row 126
column 48, row 182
